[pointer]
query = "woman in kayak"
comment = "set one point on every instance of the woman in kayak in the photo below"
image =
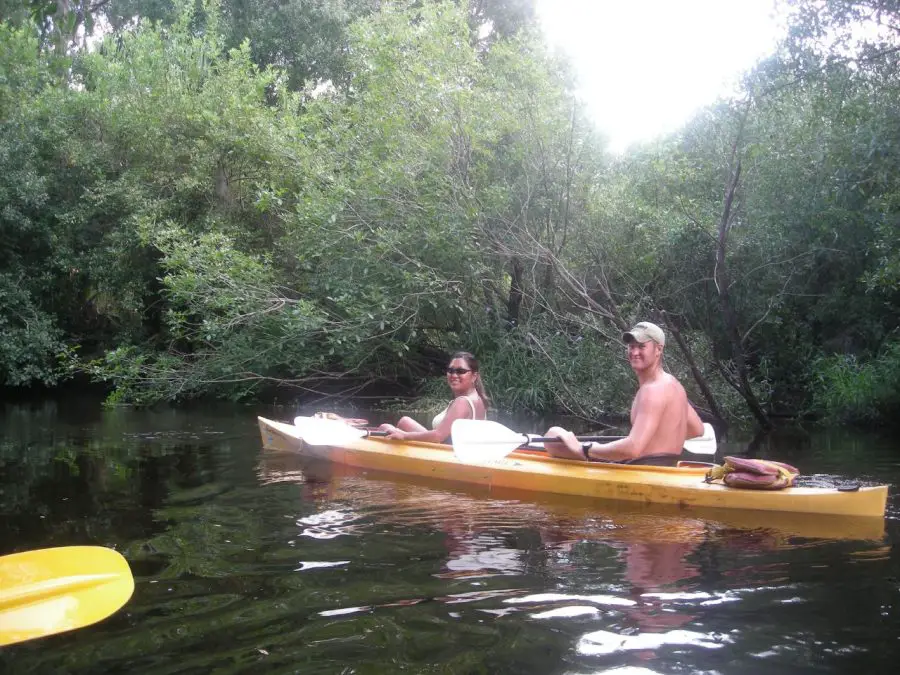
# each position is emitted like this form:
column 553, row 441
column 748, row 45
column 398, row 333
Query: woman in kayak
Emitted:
column 469, row 402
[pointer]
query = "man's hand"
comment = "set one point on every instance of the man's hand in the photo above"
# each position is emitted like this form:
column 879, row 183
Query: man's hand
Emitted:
column 569, row 446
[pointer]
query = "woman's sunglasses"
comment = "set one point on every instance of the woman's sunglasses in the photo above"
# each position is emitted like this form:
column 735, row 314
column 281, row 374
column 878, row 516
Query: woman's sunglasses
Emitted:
column 458, row 371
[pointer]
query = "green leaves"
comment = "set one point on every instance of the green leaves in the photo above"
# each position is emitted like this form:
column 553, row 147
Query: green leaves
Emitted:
column 191, row 222
column 29, row 338
column 853, row 390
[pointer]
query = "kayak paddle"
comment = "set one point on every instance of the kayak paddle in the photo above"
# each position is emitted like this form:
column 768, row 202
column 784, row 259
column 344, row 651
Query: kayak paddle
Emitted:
column 473, row 440
column 320, row 431
column 54, row 590
column 478, row 441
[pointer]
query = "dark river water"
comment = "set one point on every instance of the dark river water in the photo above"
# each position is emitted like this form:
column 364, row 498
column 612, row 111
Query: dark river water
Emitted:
column 246, row 561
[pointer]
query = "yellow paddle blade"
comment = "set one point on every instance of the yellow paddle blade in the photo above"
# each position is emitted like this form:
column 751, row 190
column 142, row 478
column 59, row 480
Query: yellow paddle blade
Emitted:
column 53, row 590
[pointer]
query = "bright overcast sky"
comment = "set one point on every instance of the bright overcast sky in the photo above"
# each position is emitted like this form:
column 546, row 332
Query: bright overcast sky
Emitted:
column 645, row 66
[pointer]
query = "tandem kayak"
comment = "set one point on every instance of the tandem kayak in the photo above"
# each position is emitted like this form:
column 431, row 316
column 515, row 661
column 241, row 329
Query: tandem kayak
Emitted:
column 532, row 471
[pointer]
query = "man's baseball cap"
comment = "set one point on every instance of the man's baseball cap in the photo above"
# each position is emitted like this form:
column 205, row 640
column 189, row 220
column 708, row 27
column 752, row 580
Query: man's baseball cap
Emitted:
column 644, row 331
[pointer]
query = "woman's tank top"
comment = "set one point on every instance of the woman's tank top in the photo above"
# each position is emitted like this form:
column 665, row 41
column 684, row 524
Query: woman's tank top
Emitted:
column 441, row 415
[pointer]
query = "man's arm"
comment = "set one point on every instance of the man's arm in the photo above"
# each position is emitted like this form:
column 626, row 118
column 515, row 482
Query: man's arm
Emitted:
column 648, row 412
column 694, row 423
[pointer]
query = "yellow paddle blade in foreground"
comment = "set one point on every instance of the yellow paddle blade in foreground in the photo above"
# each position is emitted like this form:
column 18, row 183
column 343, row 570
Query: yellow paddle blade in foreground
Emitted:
column 53, row 590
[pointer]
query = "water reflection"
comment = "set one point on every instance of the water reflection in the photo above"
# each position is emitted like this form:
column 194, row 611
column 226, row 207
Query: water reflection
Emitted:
column 248, row 562
column 327, row 524
column 651, row 567
column 475, row 520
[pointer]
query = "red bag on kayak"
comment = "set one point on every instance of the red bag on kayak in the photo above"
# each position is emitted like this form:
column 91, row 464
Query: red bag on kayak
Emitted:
column 755, row 474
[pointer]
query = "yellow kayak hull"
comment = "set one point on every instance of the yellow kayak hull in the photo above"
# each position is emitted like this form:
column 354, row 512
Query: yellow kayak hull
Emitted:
column 681, row 486
column 397, row 497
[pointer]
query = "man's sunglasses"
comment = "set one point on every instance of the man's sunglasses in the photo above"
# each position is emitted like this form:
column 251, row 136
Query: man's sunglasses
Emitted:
column 458, row 371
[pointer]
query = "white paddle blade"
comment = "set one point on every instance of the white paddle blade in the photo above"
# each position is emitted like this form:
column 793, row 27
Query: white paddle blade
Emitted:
column 705, row 444
column 483, row 441
column 318, row 431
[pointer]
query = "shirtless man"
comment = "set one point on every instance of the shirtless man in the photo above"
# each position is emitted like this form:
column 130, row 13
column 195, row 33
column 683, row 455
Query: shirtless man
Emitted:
column 661, row 416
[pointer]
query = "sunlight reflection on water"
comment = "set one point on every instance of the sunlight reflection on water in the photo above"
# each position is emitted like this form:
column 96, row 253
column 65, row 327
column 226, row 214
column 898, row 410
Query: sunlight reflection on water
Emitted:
column 560, row 597
column 605, row 642
column 312, row 565
column 329, row 524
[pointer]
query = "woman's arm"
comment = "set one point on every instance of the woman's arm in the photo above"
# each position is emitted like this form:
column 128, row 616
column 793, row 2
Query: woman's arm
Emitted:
column 459, row 409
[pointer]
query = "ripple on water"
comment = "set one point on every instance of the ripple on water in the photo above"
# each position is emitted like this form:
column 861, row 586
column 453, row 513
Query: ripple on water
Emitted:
column 330, row 524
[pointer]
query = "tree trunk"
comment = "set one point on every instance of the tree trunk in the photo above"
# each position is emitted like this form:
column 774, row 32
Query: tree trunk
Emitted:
column 740, row 379
column 514, row 303
column 695, row 371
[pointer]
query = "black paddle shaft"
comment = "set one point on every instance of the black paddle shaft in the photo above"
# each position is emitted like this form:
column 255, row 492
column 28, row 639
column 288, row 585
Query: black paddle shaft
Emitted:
column 581, row 439
column 541, row 439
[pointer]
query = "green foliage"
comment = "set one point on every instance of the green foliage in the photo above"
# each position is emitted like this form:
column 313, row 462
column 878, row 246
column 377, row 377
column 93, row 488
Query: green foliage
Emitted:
column 226, row 197
column 583, row 375
column 58, row 24
column 885, row 277
column 811, row 240
column 306, row 39
column 506, row 17
column 228, row 325
column 30, row 337
column 30, row 342
column 852, row 390
column 309, row 40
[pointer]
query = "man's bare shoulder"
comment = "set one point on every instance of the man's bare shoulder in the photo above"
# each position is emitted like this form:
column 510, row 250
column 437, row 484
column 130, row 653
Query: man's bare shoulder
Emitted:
column 653, row 393
column 664, row 386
